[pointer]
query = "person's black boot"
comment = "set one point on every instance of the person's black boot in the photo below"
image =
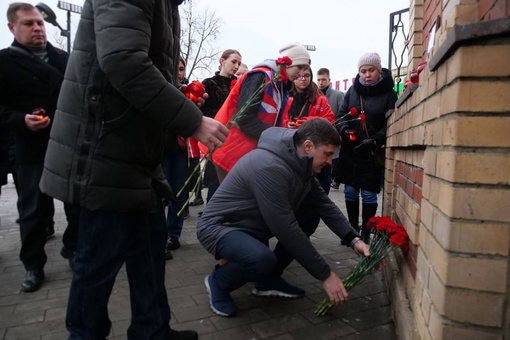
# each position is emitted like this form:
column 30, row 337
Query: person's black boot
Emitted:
column 353, row 214
column 368, row 211
column 183, row 335
column 32, row 281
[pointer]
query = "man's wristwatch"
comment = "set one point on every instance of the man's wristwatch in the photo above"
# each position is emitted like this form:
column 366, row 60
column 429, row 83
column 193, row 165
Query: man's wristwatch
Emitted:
column 353, row 242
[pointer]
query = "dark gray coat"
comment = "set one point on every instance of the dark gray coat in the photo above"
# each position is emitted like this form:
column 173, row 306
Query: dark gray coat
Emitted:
column 260, row 196
column 116, row 102
column 335, row 100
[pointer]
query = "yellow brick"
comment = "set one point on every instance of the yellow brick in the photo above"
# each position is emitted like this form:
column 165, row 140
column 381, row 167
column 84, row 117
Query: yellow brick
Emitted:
column 477, row 273
column 437, row 292
column 479, row 238
column 421, row 326
column 418, row 158
column 429, row 162
column 474, row 307
column 437, row 132
column 446, row 168
column 441, row 76
column 480, row 167
column 418, row 135
column 437, row 256
column 432, row 85
column 417, row 115
column 475, row 203
column 427, row 215
column 476, row 131
column 465, row 332
column 426, row 306
column 441, row 228
column 466, row 62
column 431, row 107
column 434, row 191
column 436, row 325
column 448, row 102
column 475, row 96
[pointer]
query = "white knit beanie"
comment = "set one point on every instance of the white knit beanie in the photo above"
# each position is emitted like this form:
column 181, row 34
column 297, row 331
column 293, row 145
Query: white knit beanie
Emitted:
column 297, row 53
column 371, row 58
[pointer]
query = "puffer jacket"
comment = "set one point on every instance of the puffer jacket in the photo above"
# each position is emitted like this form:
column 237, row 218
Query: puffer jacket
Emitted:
column 261, row 195
column 118, row 98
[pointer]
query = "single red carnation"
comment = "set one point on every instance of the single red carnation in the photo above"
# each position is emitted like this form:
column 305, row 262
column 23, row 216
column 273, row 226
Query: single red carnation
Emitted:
column 284, row 77
column 353, row 112
column 285, row 61
column 363, row 118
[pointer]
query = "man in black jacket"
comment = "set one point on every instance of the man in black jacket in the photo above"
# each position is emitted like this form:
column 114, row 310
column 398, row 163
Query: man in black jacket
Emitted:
column 118, row 101
column 31, row 72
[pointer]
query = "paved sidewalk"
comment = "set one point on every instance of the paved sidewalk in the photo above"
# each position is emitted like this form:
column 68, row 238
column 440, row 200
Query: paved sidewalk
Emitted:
column 40, row 315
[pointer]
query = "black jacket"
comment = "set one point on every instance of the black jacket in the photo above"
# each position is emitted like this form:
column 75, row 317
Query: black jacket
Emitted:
column 27, row 82
column 360, row 169
column 217, row 87
column 118, row 99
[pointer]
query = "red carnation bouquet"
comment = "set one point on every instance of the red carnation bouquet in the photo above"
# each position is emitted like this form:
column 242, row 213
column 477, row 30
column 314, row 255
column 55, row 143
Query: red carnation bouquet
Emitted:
column 387, row 236
column 194, row 90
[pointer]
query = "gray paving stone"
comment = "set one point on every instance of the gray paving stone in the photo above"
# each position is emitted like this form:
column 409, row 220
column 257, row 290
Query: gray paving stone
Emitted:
column 41, row 315
column 280, row 325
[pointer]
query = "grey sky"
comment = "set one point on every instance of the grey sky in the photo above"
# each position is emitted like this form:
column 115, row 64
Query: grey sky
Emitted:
column 341, row 30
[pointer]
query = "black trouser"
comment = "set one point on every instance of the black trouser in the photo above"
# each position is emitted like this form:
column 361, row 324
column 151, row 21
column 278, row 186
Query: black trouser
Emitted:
column 211, row 179
column 36, row 214
column 70, row 237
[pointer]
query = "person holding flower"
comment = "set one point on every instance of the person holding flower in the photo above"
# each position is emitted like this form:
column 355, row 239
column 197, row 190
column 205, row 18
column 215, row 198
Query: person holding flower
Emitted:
column 218, row 88
column 363, row 135
column 265, row 109
column 257, row 201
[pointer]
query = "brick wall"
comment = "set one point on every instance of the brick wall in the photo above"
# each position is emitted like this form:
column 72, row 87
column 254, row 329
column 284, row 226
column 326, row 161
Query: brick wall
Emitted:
column 448, row 176
column 493, row 9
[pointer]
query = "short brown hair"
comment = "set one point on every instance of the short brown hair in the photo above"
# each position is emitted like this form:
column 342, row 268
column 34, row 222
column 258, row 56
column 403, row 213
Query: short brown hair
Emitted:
column 12, row 11
column 323, row 71
column 319, row 130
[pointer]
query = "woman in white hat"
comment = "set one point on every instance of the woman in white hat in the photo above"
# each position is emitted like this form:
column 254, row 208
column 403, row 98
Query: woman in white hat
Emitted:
column 264, row 112
column 372, row 95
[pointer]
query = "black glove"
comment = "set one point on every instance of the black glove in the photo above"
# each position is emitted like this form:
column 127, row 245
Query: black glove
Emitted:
column 348, row 135
column 365, row 146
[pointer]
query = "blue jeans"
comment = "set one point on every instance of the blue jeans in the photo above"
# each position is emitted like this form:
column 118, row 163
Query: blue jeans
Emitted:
column 352, row 194
column 249, row 260
column 106, row 241
column 175, row 168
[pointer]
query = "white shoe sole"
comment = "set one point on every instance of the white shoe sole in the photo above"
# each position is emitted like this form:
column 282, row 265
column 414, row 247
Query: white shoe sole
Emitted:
column 208, row 289
column 274, row 293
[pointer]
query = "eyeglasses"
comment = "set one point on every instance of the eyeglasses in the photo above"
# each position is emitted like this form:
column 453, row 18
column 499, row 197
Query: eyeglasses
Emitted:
column 304, row 77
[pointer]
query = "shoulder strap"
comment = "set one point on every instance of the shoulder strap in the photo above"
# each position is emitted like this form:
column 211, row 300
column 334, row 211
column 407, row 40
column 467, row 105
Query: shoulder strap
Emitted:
column 20, row 51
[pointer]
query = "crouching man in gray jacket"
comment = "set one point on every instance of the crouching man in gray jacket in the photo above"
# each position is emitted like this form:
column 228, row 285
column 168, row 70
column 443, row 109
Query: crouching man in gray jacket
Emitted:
column 257, row 201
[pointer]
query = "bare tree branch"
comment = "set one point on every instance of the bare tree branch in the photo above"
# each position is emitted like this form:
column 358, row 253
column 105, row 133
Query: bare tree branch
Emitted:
column 199, row 30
